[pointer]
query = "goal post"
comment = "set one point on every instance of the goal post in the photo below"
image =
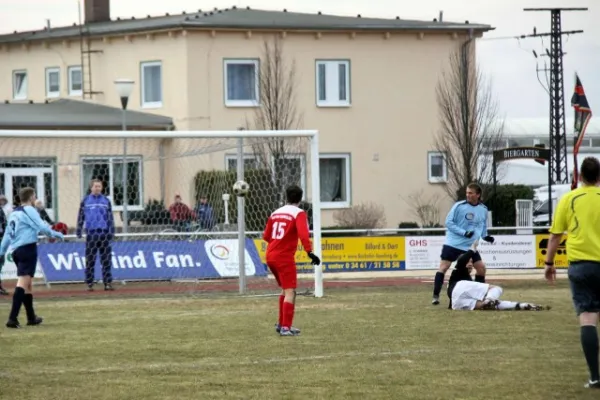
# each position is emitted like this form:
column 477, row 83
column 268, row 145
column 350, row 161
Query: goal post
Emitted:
column 162, row 166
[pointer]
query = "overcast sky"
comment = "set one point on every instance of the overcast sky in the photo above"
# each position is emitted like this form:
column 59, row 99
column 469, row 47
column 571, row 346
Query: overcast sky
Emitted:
column 510, row 64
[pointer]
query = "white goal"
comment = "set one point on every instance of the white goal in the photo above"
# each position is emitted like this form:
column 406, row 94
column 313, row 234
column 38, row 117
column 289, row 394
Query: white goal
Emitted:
column 171, row 193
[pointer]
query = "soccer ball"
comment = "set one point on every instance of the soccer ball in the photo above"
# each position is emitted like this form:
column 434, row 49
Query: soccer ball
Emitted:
column 241, row 188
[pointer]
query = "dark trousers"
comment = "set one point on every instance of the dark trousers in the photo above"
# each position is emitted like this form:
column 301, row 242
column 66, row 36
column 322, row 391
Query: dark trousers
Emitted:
column 98, row 242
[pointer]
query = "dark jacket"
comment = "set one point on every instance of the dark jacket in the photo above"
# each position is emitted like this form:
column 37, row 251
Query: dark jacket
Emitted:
column 3, row 221
column 205, row 216
column 45, row 217
column 96, row 213
column 460, row 273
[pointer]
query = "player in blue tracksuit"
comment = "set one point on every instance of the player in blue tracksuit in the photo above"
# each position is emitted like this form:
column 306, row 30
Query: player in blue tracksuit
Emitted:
column 19, row 244
column 466, row 222
column 95, row 212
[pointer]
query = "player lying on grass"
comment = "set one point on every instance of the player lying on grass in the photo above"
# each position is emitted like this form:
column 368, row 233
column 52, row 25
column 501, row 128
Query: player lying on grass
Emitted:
column 467, row 295
column 284, row 227
column 24, row 225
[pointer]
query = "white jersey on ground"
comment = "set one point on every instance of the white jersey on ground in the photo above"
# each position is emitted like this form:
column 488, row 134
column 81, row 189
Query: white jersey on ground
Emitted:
column 466, row 294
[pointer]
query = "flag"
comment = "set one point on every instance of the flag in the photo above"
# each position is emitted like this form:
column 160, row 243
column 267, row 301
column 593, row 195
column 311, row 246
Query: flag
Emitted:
column 583, row 114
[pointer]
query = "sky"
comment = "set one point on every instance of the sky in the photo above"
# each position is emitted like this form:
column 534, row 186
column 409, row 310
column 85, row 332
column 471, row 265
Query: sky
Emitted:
column 508, row 63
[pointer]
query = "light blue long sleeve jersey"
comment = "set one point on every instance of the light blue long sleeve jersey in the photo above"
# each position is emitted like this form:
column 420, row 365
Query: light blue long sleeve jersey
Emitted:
column 24, row 226
column 463, row 217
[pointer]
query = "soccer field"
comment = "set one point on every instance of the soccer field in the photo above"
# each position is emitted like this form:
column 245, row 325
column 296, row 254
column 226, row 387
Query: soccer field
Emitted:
column 363, row 343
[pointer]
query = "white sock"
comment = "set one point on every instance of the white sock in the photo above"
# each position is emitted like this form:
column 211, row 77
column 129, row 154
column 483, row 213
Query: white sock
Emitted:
column 507, row 305
column 494, row 293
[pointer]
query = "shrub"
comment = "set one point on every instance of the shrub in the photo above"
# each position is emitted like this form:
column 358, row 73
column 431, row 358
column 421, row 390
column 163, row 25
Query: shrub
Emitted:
column 361, row 216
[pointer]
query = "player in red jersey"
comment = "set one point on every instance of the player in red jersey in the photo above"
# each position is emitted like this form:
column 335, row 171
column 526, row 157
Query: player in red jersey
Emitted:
column 285, row 226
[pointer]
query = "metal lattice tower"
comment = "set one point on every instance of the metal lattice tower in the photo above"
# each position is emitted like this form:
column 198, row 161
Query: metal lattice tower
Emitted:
column 558, row 168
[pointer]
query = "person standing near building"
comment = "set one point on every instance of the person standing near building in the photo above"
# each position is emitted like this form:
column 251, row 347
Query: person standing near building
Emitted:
column 204, row 214
column 3, row 220
column 95, row 212
column 578, row 214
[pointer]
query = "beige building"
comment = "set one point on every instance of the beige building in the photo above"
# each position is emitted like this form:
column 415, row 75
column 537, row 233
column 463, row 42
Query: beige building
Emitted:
column 367, row 85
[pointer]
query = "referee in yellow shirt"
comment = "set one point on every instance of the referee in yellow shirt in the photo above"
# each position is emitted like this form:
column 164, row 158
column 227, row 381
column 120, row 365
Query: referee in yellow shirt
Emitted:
column 578, row 214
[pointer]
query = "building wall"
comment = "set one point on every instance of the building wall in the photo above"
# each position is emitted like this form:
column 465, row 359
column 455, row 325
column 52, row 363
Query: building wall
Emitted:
column 387, row 131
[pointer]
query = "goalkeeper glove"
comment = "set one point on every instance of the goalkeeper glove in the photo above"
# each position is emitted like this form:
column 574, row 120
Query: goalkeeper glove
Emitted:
column 489, row 239
column 469, row 234
column 314, row 260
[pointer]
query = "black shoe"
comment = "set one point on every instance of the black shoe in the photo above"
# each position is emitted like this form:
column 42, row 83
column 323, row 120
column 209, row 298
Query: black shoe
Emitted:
column 13, row 323
column 3, row 292
column 108, row 286
column 90, row 288
column 35, row 321
column 435, row 300
column 592, row 385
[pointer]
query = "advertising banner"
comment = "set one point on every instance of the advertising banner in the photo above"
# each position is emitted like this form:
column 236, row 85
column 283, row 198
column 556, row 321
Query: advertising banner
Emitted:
column 507, row 252
column 541, row 244
column 9, row 271
column 155, row 260
column 351, row 254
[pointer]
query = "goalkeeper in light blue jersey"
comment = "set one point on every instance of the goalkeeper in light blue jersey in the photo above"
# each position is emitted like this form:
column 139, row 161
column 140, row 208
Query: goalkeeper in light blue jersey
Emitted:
column 21, row 236
column 466, row 223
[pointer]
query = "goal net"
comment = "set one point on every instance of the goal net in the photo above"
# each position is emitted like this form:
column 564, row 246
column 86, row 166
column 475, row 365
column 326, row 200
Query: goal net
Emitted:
column 177, row 223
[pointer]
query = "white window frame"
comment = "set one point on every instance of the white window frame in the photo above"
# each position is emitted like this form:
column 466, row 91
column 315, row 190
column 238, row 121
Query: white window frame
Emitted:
column 229, row 157
column 151, row 104
column 111, row 161
column 332, row 83
column 53, row 70
column 242, row 103
column 70, row 71
column 348, row 181
column 17, row 96
column 437, row 179
column 302, row 159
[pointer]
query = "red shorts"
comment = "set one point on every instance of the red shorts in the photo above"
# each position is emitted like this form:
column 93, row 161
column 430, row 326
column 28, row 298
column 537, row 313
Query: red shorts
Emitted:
column 285, row 274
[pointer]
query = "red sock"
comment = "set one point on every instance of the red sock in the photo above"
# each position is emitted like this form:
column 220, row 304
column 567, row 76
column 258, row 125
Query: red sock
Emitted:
column 288, row 314
column 280, row 322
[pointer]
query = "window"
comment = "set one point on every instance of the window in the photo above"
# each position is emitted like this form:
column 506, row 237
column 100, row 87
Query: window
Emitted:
column 52, row 82
column 152, row 84
column 289, row 170
column 250, row 162
column 436, row 167
column 333, row 83
column 110, row 171
column 75, row 81
column 334, row 174
column 595, row 142
column 20, row 85
column 241, row 83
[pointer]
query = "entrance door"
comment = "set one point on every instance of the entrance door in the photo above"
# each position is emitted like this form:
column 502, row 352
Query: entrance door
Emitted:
column 40, row 179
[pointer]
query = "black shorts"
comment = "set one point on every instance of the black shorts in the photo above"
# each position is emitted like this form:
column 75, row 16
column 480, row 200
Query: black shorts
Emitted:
column 451, row 254
column 584, row 279
column 25, row 258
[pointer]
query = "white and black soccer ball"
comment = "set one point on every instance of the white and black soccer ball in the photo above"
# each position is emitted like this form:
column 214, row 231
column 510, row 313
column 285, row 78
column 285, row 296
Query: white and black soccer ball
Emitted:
column 241, row 188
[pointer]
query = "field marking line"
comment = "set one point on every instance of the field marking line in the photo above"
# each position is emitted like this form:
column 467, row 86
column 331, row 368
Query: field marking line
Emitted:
column 220, row 363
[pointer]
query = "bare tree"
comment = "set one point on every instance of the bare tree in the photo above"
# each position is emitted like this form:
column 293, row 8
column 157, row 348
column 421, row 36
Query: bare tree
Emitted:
column 425, row 209
column 277, row 111
column 470, row 128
